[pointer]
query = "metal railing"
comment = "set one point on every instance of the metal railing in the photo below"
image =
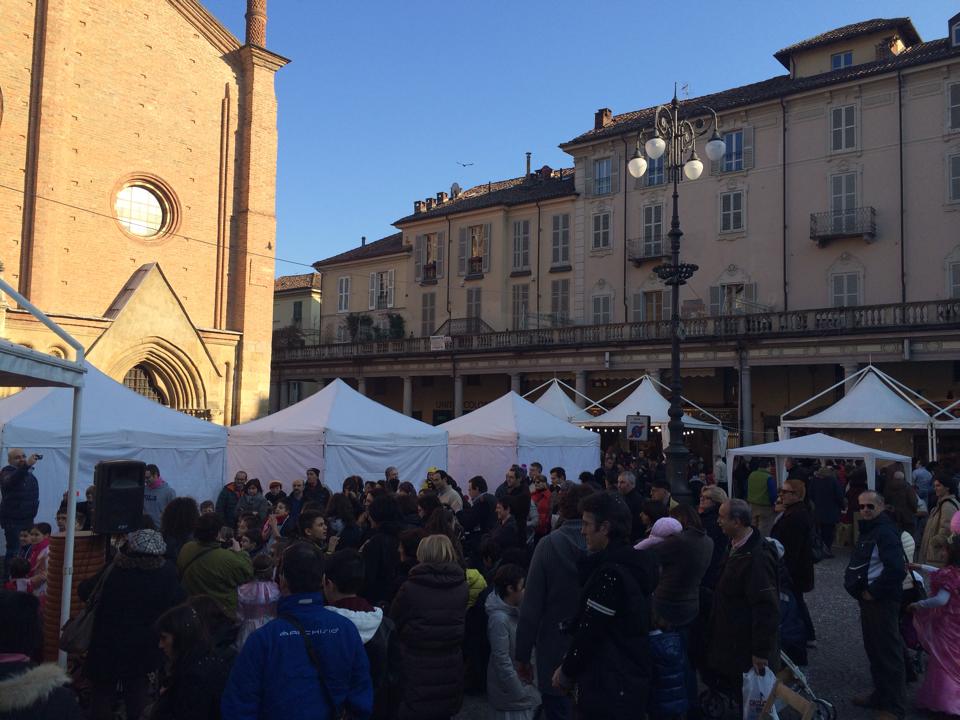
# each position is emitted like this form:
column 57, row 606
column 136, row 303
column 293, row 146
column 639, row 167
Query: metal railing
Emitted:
column 853, row 222
column 643, row 249
column 815, row 322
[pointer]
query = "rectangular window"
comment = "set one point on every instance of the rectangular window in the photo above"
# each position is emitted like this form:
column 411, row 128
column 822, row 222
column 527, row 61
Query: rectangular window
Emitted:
column 473, row 302
column 521, row 245
column 520, row 306
column 298, row 312
column 560, row 301
column 955, row 35
column 843, row 128
column 428, row 314
column 652, row 230
column 733, row 155
column 953, row 101
column 843, row 202
column 602, row 176
column 601, row 309
column 476, row 241
column 733, row 299
column 955, row 281
column 841, row 60
column 954, row 168
column 845, row 289
column 561, row 240
column 655, row 172
column 601, row 231
column 653, row 308
column 343, row 333
column 381, row 290
column 343, row 294
column 731, row 211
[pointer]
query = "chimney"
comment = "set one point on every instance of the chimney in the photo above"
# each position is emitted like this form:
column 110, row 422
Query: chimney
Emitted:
column 257, row 23
column 417, row 206
column 528, row 165
column 429, row 202
column 546, row 172
column 441, row 198
column 363, row 240
column 602, row 118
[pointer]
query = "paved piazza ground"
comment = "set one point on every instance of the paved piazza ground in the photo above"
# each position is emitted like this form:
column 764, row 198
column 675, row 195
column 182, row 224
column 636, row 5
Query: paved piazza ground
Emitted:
column 838, row 666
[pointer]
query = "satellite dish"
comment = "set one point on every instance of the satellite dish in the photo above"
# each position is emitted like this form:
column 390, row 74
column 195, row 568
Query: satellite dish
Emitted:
column 455, row 190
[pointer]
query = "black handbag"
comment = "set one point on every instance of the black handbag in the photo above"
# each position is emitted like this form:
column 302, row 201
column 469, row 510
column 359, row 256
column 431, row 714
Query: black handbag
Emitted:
column 77, row 632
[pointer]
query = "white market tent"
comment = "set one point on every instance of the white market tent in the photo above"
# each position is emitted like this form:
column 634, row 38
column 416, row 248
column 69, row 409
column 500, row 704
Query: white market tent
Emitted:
column 119, row 425
column 818, row 445
column 556, row 402
column 339, row 431
column 647, row 400
column 876, row 400
column 22, row 367
column 511, row 430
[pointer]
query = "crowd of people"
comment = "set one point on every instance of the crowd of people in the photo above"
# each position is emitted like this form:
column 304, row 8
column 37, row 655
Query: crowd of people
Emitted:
column 604, row 597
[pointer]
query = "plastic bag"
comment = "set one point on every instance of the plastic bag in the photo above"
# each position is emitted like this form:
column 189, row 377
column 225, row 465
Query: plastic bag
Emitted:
column 756, row 688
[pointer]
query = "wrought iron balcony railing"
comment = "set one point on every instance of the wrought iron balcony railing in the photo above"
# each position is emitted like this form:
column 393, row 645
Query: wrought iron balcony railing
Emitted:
column 834, row 224
column 817, row 322
column 641, row 250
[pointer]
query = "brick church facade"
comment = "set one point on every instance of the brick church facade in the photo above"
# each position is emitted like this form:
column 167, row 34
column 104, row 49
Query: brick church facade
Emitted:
column 138, row 150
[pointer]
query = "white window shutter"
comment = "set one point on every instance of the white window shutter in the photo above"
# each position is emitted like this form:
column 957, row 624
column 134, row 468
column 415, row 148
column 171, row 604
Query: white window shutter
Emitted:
column 462, row 252
column 615, row 161
column 373, row 291
column 750, row 297
column 391, row 276
column 747, row 147
column 517, row 240
column 441, row 251
column 588, row 176
column 418, row 257
column 487, row 242
column 526, row 244
column 716, row 300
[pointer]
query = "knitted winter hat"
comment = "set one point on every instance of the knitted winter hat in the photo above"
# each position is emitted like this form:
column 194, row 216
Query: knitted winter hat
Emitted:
column 146, row 542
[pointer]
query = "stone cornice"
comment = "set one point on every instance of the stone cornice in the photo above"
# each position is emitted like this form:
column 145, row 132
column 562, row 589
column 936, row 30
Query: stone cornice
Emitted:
column 261, row 57
column 211, row 28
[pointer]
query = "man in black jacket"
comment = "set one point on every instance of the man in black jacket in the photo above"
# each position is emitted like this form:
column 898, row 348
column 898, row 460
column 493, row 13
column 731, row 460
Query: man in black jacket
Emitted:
column 874, row 577
column 20, row 500
column 627, row 487
column 478, row 516
column 609, row 657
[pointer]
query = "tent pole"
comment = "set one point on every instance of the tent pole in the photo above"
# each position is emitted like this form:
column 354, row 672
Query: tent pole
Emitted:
column 859, row 372
column 544, row 384
column 67, row 588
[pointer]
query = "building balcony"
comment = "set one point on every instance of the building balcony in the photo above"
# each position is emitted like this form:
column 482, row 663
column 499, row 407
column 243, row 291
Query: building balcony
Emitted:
column 836, row 224
column 813, row 323
column 641, row 250
column 475, row 266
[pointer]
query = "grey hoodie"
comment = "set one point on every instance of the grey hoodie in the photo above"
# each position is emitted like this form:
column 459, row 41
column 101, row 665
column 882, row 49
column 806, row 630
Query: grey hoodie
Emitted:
column 505, row 690
column 552, row 597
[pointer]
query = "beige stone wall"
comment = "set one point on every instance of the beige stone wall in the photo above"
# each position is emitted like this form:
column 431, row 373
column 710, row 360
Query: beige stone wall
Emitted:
column 311, row 309
column 817, row 60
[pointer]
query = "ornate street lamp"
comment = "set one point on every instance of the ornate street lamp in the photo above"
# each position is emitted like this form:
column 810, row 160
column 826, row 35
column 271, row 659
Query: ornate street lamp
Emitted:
column 677, row 137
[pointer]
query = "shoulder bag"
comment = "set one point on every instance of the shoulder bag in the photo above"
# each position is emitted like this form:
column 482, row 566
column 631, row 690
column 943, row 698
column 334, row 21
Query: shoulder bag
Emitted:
column 77, row 632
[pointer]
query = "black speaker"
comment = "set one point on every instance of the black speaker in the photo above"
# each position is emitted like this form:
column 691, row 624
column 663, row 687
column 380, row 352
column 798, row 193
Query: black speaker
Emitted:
column 118, row 503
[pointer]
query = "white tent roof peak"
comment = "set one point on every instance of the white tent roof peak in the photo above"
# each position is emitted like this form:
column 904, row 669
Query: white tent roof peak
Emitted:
column 816, row 445
column 872, row 402
column 644, row 400
column 556, row 402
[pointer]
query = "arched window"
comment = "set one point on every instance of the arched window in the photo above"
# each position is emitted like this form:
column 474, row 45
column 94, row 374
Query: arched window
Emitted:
column 140, row 379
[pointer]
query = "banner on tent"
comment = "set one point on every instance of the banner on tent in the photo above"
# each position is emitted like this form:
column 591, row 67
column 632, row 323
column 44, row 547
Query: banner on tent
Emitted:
column 638, row 427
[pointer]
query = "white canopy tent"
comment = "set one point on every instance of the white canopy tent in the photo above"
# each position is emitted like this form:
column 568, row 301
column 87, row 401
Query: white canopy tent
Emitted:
column 511, row 430
column 647, row 400
column 818, row 445
column 22, row 367
column 556, row 402
column 875, row 400
column 339, row 431
column 121, row 424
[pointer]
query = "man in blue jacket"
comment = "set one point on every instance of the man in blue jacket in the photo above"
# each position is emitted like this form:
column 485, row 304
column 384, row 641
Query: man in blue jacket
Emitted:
column 277, row 675
column 19, row 500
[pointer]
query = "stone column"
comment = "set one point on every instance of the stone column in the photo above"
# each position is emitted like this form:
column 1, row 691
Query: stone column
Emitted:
column 581, row 387
column 849, row 369
column 407, row 395
column 284, row 394
column 362, row 385
column 515, row 382
column 274, row 401
column 458, row 396
column 321, row 383
column 746, row 402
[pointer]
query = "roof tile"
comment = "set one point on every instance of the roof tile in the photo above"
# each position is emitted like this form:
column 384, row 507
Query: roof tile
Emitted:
column 848, row 32
column 297, row 282
column 390, row 245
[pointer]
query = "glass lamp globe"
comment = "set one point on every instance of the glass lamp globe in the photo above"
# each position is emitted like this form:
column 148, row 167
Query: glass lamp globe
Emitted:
column 637, row 165
column 693, row 168
column 716, row 147
column 655, row 147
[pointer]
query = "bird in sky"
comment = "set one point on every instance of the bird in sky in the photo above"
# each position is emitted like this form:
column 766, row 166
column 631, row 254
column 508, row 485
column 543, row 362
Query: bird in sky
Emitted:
column 464, row 164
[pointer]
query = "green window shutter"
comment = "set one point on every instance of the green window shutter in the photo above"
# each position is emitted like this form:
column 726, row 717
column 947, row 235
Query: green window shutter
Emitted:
column 441, row 252
column 373, row 291
column 588, row 176
column 748, row 158
column 487, row 242
column 418, row 257
column 391, row 277
column 462, row 252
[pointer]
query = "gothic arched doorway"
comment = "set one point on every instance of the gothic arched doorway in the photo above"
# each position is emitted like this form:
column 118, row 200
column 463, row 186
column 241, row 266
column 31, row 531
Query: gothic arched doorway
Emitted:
column 141, row 380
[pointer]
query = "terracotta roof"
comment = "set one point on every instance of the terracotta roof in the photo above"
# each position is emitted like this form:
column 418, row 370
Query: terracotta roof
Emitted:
column 848, row 32
column 516, row 191
column 774, row 88
column 390, row 245
column 297, row 282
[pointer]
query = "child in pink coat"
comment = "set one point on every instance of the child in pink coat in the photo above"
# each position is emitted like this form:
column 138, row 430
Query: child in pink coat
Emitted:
column 257, row 599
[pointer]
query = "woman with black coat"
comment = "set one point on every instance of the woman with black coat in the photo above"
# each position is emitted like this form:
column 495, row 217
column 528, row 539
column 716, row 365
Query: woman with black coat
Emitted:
column 794, row 528
column 381, row 553
column 177, row 523
column 343, row 531
column 430, row 614
column 139, row 586
column 711, row 498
